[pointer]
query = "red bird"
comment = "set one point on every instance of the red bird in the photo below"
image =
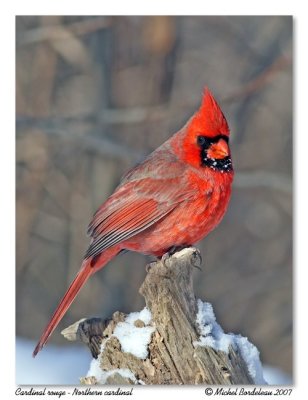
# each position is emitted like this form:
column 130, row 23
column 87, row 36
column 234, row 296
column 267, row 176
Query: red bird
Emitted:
column 174, row 198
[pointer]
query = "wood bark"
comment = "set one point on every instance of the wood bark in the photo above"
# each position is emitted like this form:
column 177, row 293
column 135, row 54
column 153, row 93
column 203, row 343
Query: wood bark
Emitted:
column 173, row 358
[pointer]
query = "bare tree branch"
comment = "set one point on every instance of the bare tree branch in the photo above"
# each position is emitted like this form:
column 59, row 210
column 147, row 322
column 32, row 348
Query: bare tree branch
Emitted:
column 56, row 32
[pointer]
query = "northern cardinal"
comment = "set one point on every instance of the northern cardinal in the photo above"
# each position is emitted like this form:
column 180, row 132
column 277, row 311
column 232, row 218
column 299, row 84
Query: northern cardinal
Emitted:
column 174, row 198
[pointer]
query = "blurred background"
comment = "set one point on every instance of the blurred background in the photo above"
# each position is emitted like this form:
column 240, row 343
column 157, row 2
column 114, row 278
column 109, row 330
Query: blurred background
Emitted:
column 96, row 94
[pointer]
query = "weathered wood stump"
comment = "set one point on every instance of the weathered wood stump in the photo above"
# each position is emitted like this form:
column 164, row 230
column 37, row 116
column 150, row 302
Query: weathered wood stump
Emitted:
column 173, row 356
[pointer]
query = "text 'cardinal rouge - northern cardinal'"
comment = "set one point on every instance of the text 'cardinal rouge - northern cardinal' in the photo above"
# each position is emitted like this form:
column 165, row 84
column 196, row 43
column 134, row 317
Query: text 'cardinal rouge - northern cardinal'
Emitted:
column 174, row 198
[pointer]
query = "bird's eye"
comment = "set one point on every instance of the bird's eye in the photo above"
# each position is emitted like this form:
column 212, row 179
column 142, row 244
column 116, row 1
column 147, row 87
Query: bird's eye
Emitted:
column 201, row 140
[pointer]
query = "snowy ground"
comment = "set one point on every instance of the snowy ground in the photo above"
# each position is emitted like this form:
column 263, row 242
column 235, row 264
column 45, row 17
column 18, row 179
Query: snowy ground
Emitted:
column 64, row 365
column 52, row 366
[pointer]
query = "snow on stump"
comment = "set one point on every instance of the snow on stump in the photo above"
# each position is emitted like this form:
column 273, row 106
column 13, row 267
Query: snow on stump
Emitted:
column 174, row 340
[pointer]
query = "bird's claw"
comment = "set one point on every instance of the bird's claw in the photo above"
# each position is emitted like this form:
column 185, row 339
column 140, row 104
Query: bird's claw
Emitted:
column 197, row 259
column 165, row 258
column 149, row 266
column 171, row 252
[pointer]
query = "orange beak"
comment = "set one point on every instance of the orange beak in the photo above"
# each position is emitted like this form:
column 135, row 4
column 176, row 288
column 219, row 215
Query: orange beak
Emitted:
column 218, row 150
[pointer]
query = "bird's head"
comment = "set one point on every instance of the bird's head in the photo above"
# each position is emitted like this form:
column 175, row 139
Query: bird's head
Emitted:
column 205, row 137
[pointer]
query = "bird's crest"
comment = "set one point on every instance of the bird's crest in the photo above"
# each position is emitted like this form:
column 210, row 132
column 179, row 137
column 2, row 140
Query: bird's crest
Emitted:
column 209, row 119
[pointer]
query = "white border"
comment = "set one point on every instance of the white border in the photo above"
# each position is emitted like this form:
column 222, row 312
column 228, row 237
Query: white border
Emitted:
column 7, row 159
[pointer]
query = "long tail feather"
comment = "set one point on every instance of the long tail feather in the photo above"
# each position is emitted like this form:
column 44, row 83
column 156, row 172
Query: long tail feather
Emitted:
column 82, row 276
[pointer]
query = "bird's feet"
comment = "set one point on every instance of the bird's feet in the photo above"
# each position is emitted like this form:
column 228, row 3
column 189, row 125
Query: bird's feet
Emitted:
column 170, row 252
column 150, row 266
column 175, row 249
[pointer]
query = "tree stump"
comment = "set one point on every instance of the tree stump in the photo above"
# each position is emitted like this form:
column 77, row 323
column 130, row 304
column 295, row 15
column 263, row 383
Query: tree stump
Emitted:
column 174, row 355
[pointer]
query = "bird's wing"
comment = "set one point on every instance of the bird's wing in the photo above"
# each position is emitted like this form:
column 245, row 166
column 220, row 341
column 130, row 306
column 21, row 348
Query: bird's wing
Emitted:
column 146, row 194
column 134, row 207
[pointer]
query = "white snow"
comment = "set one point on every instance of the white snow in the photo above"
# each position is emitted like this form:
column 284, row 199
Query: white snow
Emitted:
column 251, row 356
column 101, row 376
column 64, row 365
column 132, row 339
column 212, row 335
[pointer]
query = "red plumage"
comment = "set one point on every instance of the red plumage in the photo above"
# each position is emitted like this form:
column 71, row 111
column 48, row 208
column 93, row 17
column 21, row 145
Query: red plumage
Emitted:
column 174, row 198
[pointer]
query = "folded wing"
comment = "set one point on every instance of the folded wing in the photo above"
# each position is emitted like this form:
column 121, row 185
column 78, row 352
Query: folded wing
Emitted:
column 147, row 193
